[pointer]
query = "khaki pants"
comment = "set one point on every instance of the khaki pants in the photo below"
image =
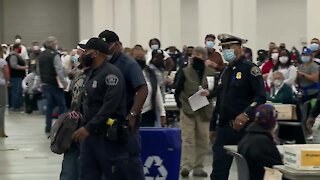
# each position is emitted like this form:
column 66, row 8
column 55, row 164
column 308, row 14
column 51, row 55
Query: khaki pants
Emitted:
column 195, row 140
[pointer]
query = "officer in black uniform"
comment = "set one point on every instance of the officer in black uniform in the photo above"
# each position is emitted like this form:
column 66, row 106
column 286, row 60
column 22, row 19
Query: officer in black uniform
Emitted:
column 102, row 151
column 239, row 91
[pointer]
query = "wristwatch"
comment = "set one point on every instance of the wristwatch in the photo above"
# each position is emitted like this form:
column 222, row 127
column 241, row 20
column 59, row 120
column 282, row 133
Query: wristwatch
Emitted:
column 133, row 114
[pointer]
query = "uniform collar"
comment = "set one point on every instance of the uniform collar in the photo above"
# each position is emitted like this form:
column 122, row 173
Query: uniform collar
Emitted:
column 240, row 60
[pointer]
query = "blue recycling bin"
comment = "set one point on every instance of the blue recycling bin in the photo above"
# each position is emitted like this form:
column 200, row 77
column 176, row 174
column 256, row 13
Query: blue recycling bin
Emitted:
column 161, row 153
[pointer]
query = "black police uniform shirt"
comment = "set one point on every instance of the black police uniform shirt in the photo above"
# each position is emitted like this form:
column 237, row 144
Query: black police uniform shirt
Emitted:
column 132, row 73
column 240, row 89
column 104, row 97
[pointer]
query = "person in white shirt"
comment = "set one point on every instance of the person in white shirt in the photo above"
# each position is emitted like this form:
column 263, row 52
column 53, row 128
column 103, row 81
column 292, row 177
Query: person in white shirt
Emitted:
column 24, row 52
column 4, row 82
column 153, row 105
column 284, row 66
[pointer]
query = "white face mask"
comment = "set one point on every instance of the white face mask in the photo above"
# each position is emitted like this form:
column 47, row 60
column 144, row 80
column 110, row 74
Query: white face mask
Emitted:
column 283, row 59
column 274, row 56
column 154, row 46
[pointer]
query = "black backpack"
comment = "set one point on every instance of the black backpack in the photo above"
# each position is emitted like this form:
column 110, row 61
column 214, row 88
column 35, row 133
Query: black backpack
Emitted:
column 62, row 131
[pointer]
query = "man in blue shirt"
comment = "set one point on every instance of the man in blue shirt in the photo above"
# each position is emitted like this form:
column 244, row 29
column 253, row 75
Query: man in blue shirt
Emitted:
column 136, row 94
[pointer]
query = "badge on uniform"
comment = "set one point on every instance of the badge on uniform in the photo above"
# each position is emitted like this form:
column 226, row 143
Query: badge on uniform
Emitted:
column 112, row 80
column 94, row 84
column 255, row 71
column 238, row 75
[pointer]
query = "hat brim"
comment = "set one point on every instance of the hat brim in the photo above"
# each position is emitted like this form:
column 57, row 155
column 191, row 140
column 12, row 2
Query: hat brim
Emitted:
column 82, row 46
column 230, row 42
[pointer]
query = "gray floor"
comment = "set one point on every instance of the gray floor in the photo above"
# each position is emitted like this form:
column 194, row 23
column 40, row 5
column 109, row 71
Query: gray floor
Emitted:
column 25, row 155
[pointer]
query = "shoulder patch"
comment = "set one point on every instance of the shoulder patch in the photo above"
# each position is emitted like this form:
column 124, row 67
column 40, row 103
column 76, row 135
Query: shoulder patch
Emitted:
column 255, row 71
column 112, row 80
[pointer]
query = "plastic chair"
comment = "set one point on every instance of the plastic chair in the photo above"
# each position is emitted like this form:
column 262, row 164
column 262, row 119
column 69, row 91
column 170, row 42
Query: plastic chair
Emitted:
column 242, row 166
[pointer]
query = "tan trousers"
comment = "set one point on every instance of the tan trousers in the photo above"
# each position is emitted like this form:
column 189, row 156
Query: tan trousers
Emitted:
column 195, row 140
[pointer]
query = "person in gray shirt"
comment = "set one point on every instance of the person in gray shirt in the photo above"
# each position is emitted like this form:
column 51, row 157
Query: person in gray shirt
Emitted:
column 53, row 79
column 308, row 76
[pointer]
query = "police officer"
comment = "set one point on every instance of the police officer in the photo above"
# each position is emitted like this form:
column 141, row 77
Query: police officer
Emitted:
column 136, row 91
column 239, row 90
column 103, row 99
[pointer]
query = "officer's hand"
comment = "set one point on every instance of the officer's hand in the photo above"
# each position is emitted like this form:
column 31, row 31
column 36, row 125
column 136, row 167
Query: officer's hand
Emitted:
column 240, row 121
column 80, row 134
column 163, row 121
column 310, row 123
column 132, row 123
column 204, row 92
column 212, row 136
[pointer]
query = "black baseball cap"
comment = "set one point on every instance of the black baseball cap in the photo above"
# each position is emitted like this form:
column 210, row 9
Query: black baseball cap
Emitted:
column 96, row 44
column 109, row 36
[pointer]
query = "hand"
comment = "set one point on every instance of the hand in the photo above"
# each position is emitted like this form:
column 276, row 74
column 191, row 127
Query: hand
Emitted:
column 132, row 122
column 80, row 134
column 240, row 121
column 204, row 92
column 212, row 136
column 210, row 63
column 301, row 74
column 163, row 121
column 26, row 67
column 167, row 81
column 310, row 123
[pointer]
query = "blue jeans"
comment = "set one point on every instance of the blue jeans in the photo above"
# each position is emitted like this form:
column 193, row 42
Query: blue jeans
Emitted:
column 221, row 160
column 70, row 163
column 16, row 92
column 55, row 97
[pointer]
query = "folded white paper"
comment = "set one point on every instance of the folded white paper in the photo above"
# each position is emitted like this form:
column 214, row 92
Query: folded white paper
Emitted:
column 272, row 174
column 197, row 101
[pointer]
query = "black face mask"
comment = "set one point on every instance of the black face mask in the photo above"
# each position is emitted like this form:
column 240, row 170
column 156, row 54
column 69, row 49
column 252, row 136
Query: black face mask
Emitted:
column 141, row 62
column 189, row 54
column 87, row 60
column 198, row 63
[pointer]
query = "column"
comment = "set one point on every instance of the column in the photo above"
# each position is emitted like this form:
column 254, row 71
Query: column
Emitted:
column 214, row 18
column 146, row 23
column 94, row 17
column 170, row 24
column 244, row 21
column 313, row 25
column 122, row 21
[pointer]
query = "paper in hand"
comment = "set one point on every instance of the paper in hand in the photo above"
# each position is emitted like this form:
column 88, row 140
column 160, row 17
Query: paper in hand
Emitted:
column 197, row 101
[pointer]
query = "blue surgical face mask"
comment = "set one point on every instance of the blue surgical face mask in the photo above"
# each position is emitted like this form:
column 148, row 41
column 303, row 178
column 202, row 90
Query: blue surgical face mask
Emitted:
column 75, row 58
column 229, row 55
column 154, row 46
column 210, row 44
column 314, row 47
column 305, row 59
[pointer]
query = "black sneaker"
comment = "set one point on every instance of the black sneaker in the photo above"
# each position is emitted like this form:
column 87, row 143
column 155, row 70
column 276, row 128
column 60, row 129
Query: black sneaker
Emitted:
column 185, row 172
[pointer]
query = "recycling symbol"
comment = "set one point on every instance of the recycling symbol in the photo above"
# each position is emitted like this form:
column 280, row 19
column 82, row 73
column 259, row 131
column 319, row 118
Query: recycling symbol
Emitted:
column 155, row 161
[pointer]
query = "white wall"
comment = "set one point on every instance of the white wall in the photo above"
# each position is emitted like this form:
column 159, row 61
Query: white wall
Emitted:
column 189, row 23
column 281, row 21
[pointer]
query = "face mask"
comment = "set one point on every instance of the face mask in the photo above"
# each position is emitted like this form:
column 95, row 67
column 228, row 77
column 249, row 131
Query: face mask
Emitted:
column 277, row 82
column 210, row 44
column 197, row 63
column 283, row 59
column 109, row 57
column 274, row 56
column 229, row 55
column 141, row 62
column 314, row 47
column 189, row 54
column 305, row 59
column 75, row 58
column 87, row 60
column 154, row 46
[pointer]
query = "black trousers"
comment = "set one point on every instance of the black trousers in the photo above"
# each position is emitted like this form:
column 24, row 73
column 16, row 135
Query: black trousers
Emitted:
column 148, row 119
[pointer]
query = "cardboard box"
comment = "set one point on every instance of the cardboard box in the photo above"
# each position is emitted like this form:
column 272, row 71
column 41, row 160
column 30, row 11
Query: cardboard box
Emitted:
column 302, row 157
column 286, row 111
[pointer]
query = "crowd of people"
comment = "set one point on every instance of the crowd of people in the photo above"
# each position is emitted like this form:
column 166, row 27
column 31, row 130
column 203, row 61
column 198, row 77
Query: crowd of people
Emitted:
column 102, row 79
